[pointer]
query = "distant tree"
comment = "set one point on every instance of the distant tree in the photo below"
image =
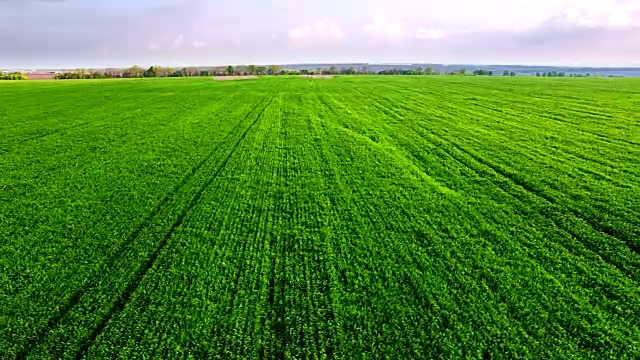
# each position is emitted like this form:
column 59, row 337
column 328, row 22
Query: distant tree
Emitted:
column 112, row 73
column 462, row 71
column 230, row 70
column 13, row 76
column 252, row 70
column 261, row 70
column 333, row 70
column 135, row 71
column 483, row 72
column 429, row 71
column 17, row 76
column 538, row 74
column 397, row 71
column 505, row 73
column 512, row 74
column 152, row 71
column 68, row 75
column 273, row 70
column 164, row 71
column 191, row 71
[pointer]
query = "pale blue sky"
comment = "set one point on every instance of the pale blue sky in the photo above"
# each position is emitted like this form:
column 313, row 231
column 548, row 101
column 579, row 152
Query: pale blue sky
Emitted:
column 85, row 33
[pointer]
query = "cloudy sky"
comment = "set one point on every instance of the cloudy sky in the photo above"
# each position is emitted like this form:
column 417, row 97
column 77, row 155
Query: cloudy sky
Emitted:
column 114, row 33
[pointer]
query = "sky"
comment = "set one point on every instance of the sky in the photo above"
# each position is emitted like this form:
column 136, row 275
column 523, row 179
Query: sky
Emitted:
column 118, row 33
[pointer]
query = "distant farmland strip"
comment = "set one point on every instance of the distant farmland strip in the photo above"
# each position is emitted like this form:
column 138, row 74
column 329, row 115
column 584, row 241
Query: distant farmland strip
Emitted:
column 384, row 217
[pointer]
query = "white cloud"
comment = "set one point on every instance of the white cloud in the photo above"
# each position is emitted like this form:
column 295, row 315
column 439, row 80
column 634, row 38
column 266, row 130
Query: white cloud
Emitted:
column 383, row 30
column 590, row 31
column 177, row 42
column 606, row 13
column 429, row 34
column 321, row 32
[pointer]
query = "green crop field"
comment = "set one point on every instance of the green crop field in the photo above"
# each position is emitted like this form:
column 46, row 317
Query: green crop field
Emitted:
column 354, row 217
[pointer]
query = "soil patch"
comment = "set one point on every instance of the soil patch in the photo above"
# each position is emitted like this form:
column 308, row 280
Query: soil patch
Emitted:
column 243, row 77
column 42, row 76
column 317, row 76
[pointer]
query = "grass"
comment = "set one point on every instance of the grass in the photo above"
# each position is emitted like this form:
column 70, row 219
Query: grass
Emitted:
column 398, row 217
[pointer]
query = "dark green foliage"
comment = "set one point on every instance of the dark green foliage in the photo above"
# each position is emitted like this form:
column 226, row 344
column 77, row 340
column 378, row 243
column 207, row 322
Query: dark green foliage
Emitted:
column 480, row 72
column 356, row 217
column 13, row 76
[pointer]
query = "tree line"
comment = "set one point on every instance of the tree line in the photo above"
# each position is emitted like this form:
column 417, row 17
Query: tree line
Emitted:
column 242, row 70
column 13, row 76
column 132, row 72
column 159, row 71
column 561, row 74
column 432, row 71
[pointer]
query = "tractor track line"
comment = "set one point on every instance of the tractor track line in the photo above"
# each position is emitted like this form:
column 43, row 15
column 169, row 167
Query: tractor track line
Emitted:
column 525, row 186
column 162, row 205
column 124, row 299
column 537, row 193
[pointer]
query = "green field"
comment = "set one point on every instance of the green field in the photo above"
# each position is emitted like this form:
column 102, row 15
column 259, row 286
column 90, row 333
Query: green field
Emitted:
column 354, row 217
